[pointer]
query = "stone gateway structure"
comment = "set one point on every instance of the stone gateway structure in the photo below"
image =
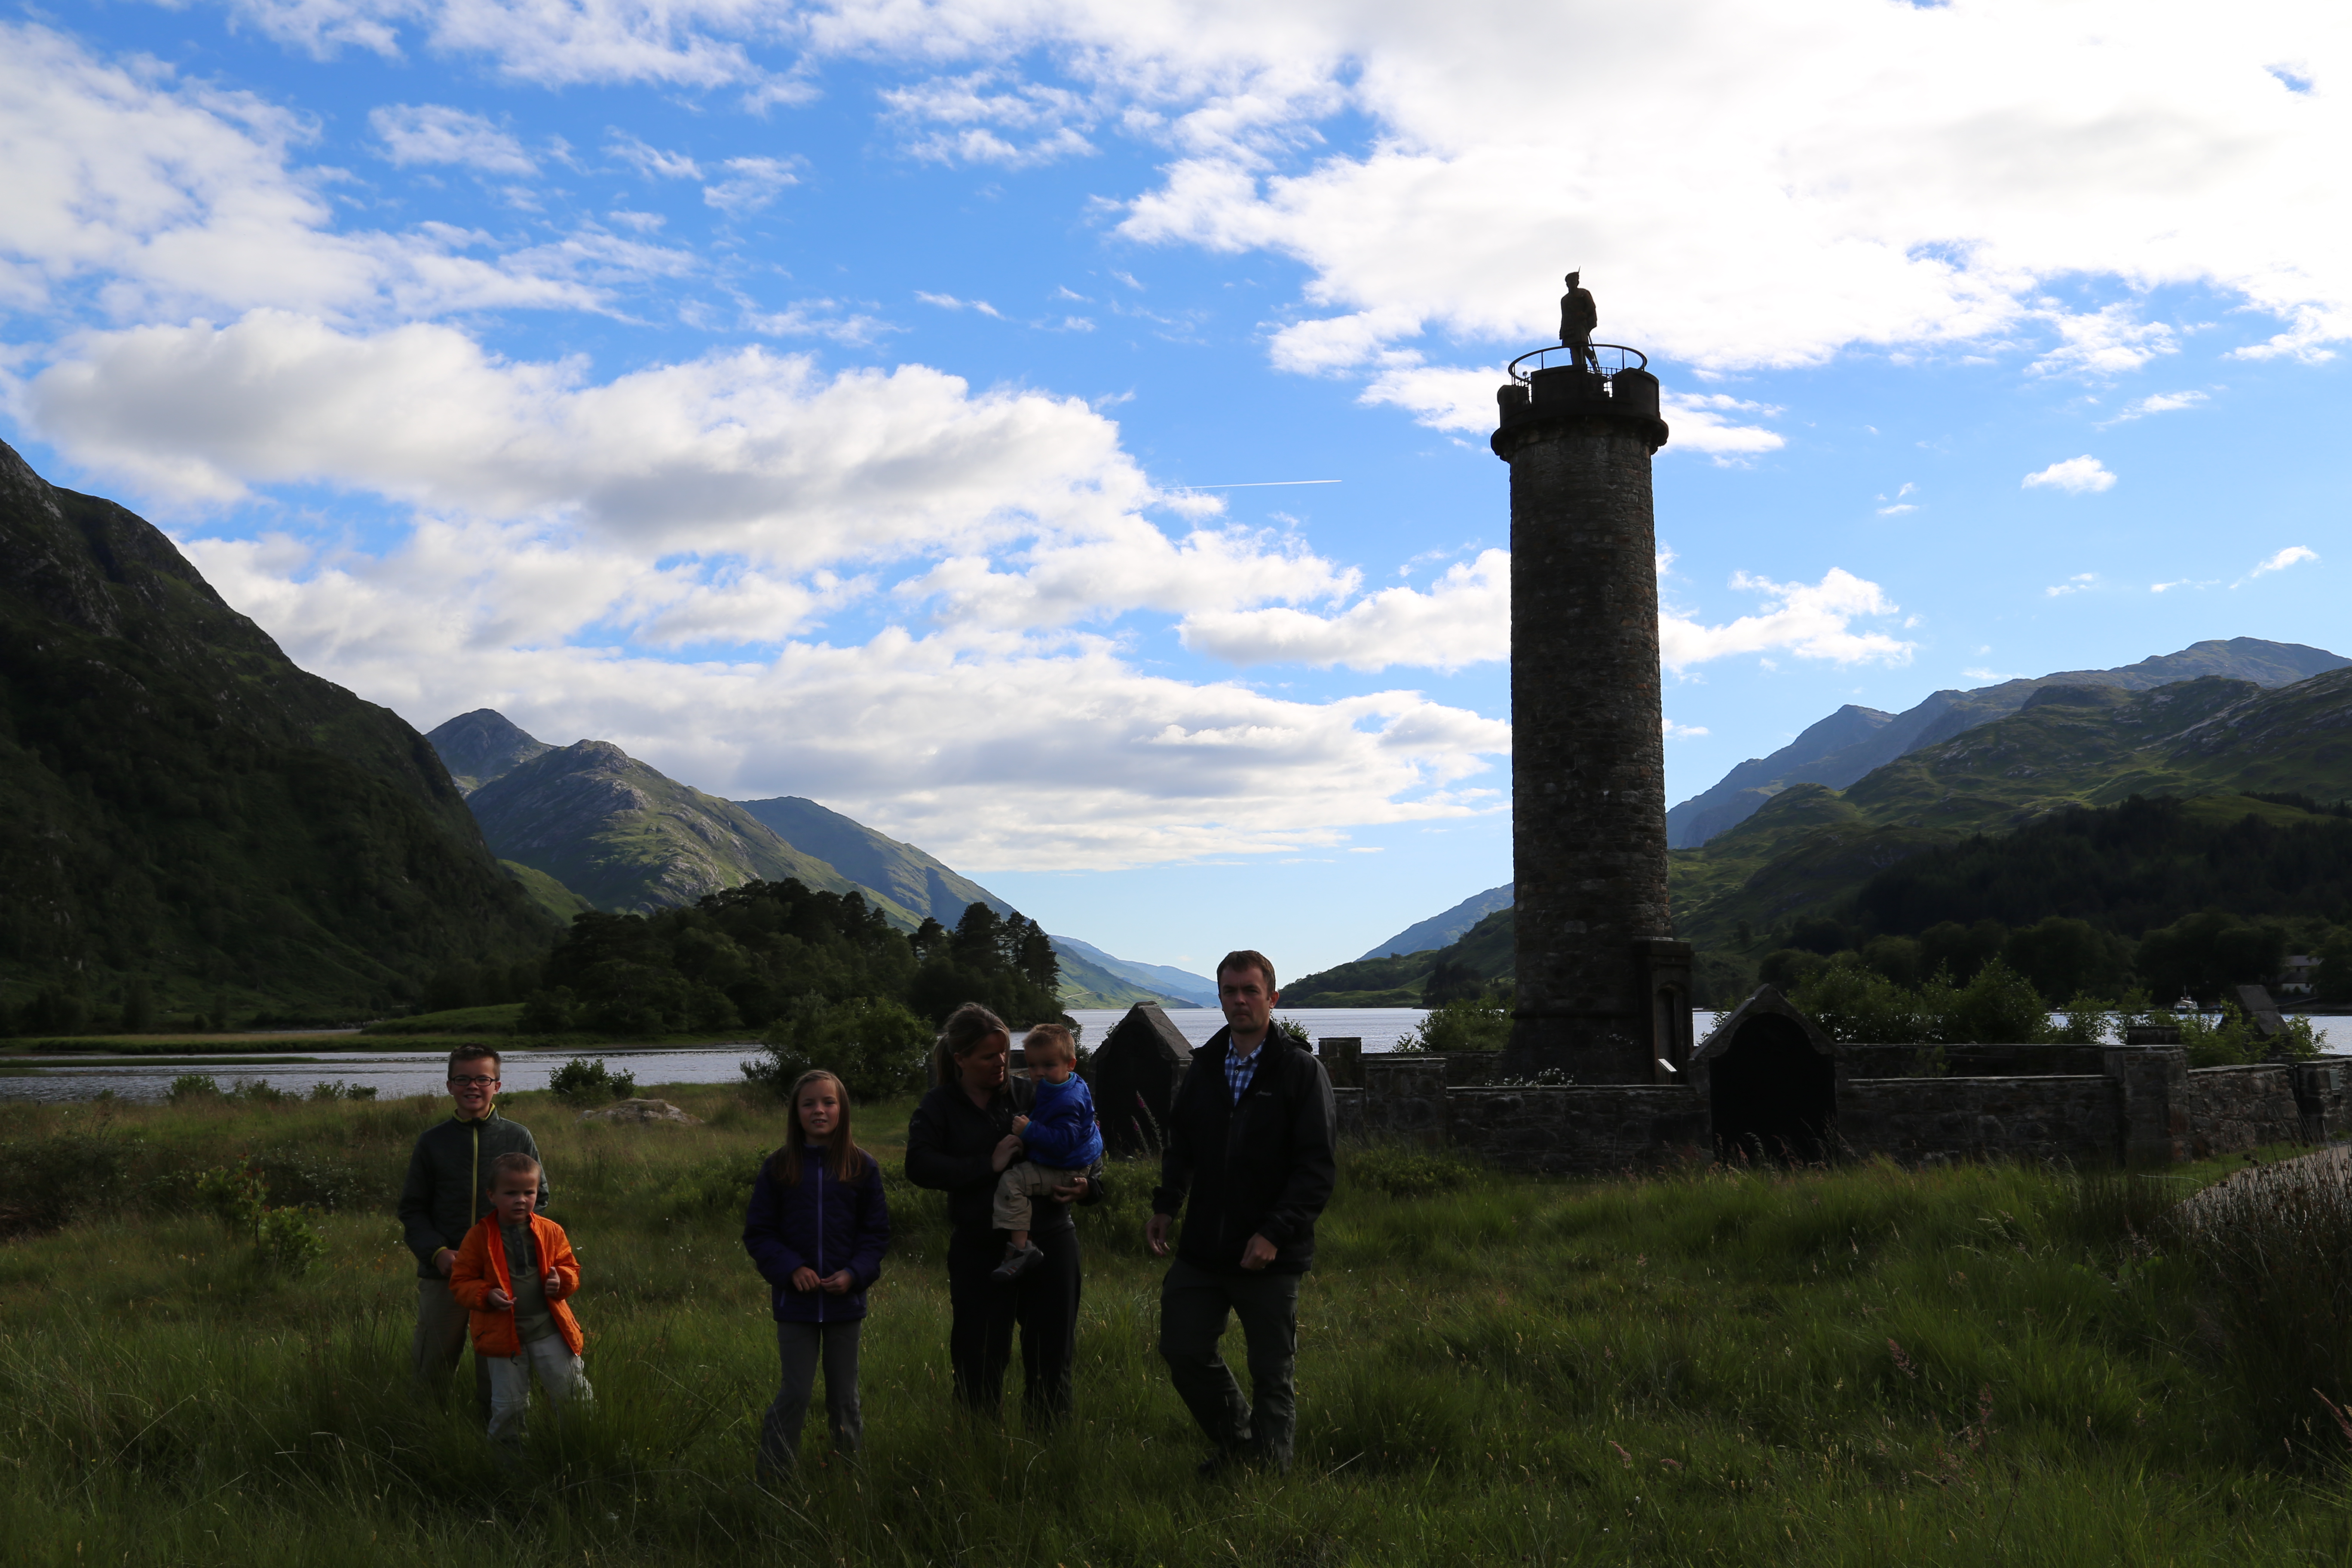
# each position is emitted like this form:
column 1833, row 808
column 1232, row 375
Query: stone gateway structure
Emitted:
column 1603, row 988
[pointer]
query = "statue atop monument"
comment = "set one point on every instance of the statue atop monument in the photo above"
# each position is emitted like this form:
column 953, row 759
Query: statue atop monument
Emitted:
column 1578, row 317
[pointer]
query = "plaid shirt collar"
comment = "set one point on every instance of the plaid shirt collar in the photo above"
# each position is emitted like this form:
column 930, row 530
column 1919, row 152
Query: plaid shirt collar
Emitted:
column 1241, row 1069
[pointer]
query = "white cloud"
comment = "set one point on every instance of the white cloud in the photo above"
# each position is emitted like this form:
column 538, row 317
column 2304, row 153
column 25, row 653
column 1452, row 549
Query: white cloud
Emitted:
column 2075, row 476
column 1674, row 731
column 998, row 752
column 2284, row 559
column 1696, row 422
column 1022, row 125
column 555, row 43
column 2155, row 402
column 2080, row 582
column 742, row 452
column 1464, row 619
column 950, row 302
column 1809, row 620
column 653, row 163
column 752, row 183
column 437, row 133
column 2107, row 341
column 1884, row 175
column 159, row 196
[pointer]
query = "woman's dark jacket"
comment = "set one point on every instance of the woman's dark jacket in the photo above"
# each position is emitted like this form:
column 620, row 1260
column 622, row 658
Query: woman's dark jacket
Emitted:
column 822, row 1223
column 1262, row 1167
column 949, row 1142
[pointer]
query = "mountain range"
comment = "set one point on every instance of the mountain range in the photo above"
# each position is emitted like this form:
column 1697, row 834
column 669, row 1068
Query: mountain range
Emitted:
column 1842, row 749
column 2079, row 738
column 195, row 821
column 589, row 823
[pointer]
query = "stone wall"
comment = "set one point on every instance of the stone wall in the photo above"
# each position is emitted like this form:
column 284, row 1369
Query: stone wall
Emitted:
column 1920, row 1120
column 2235, row 1108
column 2144, row 1106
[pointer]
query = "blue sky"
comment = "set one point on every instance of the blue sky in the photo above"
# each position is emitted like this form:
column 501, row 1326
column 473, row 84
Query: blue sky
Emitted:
column 894, row 404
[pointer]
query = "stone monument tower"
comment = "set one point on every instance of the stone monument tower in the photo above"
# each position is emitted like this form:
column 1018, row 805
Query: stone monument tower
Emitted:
column 1603, row 989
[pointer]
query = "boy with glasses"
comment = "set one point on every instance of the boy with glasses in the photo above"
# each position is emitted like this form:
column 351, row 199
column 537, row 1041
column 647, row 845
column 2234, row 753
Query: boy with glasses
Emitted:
column 441, row 1200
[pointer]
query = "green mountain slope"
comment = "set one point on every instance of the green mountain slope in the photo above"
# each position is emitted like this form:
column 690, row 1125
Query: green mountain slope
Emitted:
column 1086, row 983
column 1194, row 990
column 625, row 837
column 900, row 873
column 483, row 745
column 1850, row 743
column 2069, row 745
column 1485, row 950
column 188, row 810
column 548, row 894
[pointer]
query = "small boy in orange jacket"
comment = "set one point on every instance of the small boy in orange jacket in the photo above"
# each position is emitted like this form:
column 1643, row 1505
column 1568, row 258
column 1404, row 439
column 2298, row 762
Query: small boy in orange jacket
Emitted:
column 515, row 1274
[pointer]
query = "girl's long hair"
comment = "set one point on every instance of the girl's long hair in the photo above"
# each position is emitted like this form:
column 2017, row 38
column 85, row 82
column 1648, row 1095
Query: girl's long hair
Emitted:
column 846, row 1159
column 960, row 1035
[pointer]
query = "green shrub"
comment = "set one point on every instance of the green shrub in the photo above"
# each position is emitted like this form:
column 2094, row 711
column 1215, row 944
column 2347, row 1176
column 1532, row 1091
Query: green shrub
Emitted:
column 339, row 1089
column 46, row 1182
column 194, row 1085
column 286, row 1241
column 236, row 1198
column 1853, row 1001
column 1465, row 1024
column 877, row 1048
column 2234, row 1038
column 582, row 1081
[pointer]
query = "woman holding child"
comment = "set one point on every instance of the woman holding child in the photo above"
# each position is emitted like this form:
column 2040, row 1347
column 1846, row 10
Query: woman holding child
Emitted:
column 966, row 1132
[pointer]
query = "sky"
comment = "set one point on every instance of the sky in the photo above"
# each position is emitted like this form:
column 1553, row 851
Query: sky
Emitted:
column 1054, row 432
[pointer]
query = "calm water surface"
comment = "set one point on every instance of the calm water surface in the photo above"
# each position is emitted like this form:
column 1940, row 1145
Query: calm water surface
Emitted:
column 395, row 1072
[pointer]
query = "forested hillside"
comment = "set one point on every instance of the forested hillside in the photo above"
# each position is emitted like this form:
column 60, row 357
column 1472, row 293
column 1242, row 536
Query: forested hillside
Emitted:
column 2169, row 896
column 195, row 824
column 747, row 955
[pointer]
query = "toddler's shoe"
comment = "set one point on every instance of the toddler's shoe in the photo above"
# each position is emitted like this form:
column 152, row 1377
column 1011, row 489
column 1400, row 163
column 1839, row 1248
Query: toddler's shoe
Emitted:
column 1017, row 1262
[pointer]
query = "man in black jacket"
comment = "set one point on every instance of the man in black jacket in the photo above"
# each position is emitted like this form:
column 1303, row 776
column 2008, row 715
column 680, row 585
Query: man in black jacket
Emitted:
column 1249, row 1163
column 442, row 1198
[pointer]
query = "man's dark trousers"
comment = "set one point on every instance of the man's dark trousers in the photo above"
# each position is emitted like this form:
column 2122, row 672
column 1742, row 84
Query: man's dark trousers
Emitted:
column 1193, row 1304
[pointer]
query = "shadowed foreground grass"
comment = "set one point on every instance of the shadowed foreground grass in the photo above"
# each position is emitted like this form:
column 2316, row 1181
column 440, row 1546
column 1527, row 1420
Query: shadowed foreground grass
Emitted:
column 1868, row 1366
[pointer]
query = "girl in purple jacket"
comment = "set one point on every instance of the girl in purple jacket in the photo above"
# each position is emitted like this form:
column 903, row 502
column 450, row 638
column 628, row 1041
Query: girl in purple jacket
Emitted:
column 817, row 1228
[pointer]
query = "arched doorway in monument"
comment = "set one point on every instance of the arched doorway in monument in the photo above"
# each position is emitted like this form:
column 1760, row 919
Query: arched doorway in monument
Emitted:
column 1771, row 1090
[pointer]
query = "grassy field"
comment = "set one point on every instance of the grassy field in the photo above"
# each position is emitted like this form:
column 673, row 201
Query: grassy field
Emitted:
column 1867, row 1365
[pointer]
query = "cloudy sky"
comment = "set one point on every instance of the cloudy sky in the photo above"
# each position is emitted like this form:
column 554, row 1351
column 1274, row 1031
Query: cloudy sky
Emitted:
column 1054, row 431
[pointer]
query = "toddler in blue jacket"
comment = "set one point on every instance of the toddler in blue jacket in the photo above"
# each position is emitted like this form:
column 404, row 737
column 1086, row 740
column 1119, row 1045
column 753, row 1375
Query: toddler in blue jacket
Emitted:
column 1059, row 1135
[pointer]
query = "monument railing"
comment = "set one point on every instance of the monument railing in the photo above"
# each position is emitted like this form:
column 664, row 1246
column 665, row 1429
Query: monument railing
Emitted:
column 1612, row 358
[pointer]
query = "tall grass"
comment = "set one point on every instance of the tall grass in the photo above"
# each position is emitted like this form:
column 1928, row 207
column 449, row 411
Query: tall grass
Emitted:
column 1864, row 1366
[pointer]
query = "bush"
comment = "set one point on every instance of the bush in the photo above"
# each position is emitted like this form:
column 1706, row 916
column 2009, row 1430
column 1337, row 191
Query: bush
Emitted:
column 2234, row 1039
column 236, row 1198
column 1468, row 1023
column 194, row 1085
column 339, row 1089
column 877, row 1048
column 1853, row 1001
column 285, row 1240
column 583, row 1082
column 46, row 1182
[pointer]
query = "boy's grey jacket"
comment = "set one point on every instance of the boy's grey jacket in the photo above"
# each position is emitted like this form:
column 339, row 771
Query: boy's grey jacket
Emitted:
column 1262, row 1167
column 442, row 1197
